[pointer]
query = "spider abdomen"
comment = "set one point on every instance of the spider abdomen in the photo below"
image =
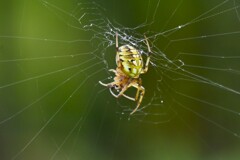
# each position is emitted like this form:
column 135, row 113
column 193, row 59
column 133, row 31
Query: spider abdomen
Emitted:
column 130, row 61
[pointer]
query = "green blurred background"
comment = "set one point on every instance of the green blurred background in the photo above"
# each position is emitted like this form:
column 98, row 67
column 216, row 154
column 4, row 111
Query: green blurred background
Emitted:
column 44, row 115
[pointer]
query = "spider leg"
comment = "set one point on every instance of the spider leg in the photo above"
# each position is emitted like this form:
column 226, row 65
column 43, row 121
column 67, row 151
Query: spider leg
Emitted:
column 109, row 85
column 110, row 89
column 103, row 84
column 141, row 90
column 117, row 41
column 128, row 97
column 116, row 96
column 148, row 58
column 112, row 70
column 136, row 85
column 122, row 91
column 117, row 49
column 139, row 94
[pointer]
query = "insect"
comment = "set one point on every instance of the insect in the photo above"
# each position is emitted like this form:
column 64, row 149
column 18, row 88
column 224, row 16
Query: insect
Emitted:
column 129, row 67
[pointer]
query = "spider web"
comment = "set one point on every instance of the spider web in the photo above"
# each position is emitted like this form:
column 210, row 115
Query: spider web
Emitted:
column 54, row 53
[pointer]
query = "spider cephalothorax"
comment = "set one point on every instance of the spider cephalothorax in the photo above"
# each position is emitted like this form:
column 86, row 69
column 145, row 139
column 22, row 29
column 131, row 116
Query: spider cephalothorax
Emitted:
column 129, row 67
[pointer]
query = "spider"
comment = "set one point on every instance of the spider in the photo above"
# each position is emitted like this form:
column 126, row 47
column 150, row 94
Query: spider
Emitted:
column 129, row 67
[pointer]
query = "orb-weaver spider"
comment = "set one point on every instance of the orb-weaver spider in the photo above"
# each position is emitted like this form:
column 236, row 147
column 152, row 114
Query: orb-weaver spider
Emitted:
column 129, row 67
